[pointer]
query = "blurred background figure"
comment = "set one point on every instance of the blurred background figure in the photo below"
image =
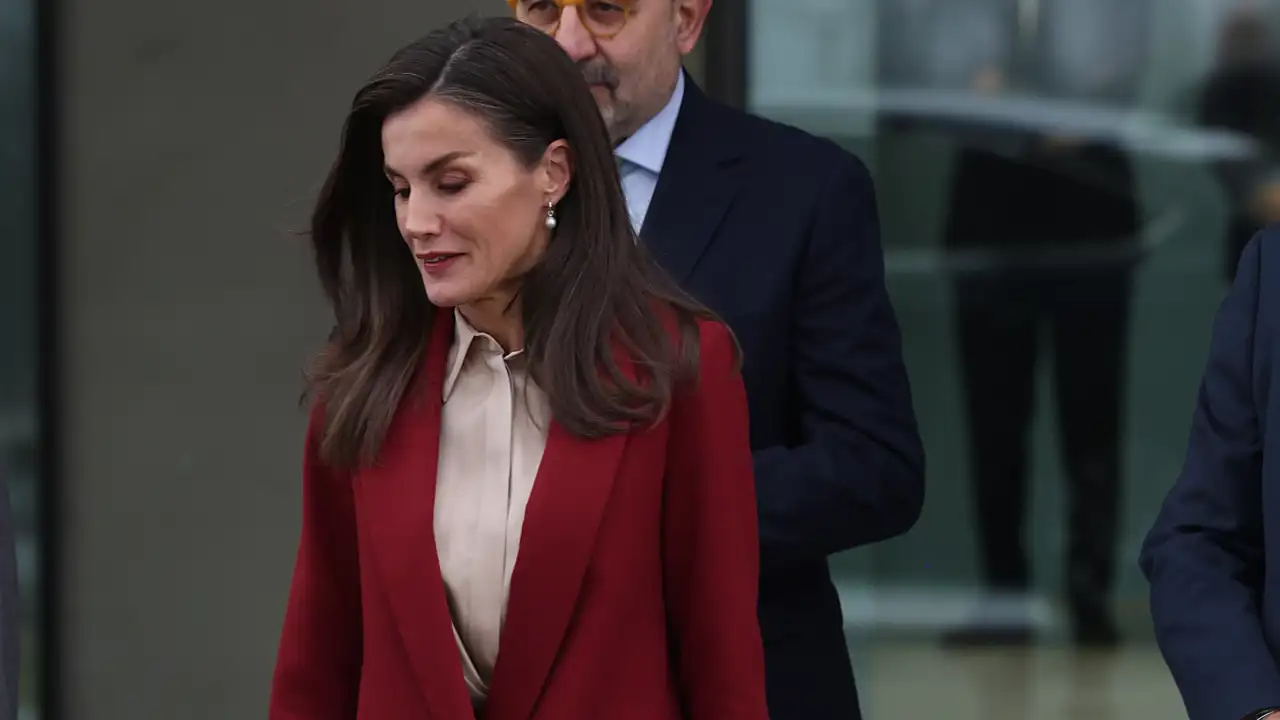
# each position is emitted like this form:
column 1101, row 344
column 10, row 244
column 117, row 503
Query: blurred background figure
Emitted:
column 1242, row 94
column 1049, row 219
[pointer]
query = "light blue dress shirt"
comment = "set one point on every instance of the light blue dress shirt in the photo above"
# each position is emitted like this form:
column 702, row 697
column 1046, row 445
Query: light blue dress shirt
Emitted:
column 642, row 155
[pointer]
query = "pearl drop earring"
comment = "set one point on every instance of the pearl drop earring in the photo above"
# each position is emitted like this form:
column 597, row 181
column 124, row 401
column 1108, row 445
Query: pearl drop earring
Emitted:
column 551, row 216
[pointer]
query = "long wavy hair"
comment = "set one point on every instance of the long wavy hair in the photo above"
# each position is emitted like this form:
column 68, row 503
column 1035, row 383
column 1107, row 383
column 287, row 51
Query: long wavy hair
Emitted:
column 594, row 291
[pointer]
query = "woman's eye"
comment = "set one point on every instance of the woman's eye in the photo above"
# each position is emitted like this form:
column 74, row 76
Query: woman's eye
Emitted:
column 402, row 193
column 453, row 187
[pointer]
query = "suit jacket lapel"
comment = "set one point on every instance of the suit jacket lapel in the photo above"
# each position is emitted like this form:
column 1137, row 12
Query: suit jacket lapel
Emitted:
column 698, row 183
column 397, row 501
column 561, row 520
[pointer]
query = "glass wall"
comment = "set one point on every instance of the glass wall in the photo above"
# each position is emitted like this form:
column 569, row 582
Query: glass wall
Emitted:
column 19, row 356
column 1064, row 186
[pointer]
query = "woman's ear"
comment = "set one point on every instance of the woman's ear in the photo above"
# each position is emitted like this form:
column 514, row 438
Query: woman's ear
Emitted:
column 557, row 170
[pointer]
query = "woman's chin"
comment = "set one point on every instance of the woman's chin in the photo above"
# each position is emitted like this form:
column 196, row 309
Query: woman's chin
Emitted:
column 444, row 297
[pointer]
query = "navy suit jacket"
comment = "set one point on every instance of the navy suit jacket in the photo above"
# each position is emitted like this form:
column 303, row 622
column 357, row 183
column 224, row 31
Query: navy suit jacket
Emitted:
column 777, row 231
column 1213, row 556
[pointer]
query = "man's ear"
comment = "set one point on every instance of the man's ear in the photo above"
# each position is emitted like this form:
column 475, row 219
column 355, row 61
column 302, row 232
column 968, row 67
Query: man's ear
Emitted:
column 691, row 18
column 557, row 170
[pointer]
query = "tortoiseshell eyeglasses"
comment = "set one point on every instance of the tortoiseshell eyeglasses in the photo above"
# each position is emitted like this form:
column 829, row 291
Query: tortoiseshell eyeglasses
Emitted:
column 604, row 19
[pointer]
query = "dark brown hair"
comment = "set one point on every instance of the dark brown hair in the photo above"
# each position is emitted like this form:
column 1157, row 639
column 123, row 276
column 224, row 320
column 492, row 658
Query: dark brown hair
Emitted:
column 594, row 290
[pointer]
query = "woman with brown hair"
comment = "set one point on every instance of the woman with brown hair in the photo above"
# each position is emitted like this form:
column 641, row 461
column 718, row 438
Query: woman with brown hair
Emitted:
column 528, row 489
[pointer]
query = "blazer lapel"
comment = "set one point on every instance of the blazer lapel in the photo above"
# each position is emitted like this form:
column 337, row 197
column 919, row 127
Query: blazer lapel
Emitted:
column 698, row 183
column 562, row 518
column 396, row 500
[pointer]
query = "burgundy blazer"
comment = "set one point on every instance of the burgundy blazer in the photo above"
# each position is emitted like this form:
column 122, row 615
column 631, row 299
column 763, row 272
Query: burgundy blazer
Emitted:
column 633, row 595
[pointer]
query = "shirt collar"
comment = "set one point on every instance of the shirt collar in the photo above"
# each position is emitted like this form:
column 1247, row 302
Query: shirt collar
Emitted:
column 647, row 148
column 464, row 336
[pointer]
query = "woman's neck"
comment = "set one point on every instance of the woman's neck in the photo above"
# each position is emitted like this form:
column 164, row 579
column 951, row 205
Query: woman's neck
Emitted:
column 498, row 318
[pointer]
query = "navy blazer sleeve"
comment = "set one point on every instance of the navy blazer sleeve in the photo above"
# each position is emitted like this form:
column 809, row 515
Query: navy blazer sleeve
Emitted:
column 858, row 476
column 1204, row 556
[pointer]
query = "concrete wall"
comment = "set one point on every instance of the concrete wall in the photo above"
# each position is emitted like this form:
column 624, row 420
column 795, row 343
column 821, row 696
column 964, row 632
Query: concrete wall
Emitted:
column 194, row 137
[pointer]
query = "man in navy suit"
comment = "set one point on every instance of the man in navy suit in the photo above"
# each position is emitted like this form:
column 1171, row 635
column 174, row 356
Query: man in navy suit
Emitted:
column 776, row 231
column 1213, row 557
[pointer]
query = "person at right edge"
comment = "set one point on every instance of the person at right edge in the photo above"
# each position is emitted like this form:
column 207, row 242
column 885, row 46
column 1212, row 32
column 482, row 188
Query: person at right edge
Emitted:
column 1213, row 554
column 777, row 232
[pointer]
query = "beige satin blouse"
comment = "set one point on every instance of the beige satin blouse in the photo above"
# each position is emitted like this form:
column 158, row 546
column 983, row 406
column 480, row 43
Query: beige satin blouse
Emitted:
column 492, row 434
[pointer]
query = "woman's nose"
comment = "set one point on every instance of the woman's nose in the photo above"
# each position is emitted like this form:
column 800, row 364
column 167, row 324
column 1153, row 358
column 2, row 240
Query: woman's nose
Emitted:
column 420, row 219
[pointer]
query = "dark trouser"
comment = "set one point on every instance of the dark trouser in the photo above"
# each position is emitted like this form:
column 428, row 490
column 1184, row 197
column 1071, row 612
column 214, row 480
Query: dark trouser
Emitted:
column 1001, row 322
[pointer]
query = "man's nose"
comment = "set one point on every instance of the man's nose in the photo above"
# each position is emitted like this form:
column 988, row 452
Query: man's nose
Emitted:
column 574, row 37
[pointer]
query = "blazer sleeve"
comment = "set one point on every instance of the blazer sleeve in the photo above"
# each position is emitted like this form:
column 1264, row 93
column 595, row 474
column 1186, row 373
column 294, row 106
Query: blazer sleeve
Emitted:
column 318, row 665
column 857, row 476
column 1204, row 555
column 710, row 543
